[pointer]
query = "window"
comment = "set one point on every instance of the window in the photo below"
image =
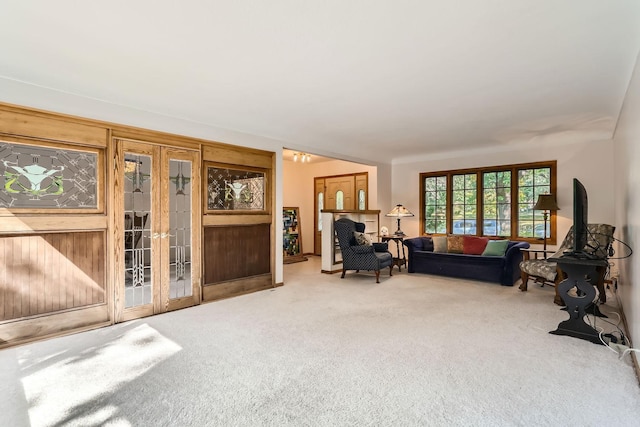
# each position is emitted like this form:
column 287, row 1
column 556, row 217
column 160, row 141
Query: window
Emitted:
column 320, row 207
column 339, row 199
column 234, row 189
column 50, row 178
column 435, row 204
column 496, row 196
column 531, row 183
column 496, row 201
column 463, row 203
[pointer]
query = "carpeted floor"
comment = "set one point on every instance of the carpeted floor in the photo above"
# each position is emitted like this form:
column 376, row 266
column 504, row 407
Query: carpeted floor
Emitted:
column 321, row 351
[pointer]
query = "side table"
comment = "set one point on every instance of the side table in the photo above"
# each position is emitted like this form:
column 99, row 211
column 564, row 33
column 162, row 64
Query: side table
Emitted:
column 580, row 274
column 398, row 238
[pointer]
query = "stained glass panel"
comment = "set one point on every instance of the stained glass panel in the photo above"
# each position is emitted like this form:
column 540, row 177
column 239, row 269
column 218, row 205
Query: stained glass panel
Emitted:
column 235, row 189
column 180, row 229
column 43, row 178
column 137, row 230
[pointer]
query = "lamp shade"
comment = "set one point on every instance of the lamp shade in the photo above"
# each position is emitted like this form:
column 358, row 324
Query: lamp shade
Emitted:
column 399, row 211
column 546, row 202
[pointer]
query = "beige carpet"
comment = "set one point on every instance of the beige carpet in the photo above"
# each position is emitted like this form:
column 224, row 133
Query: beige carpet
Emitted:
column 321, row 351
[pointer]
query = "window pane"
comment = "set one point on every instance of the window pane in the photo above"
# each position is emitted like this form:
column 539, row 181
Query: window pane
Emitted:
column 435, row 197
column 464, row 204
column 339, row 199
column 533, row 182
column 497, row 204
column 320, row 207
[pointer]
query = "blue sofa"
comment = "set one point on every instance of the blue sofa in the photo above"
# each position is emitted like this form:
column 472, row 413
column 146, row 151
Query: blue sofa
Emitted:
column 498, row 269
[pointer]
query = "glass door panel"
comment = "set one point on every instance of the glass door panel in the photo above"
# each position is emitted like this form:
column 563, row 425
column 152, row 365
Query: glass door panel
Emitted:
column 138, row 217
column 159, row 264
column 180, row 193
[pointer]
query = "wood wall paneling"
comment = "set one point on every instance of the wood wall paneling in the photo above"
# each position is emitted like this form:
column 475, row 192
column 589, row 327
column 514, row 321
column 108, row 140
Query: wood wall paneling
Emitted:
column 233, row 252
column 237, row 156
column 238, row 287
column 13, row 121
column 47, row 273
column 56, row 324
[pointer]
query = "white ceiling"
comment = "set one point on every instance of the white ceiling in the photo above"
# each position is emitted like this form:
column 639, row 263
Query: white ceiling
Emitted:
column 370, row 79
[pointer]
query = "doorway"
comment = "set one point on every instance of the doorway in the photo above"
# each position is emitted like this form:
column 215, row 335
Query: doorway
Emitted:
column 158, row 243
column 340, row 192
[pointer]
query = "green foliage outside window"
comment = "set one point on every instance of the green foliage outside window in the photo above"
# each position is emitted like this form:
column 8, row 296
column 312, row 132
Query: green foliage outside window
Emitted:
column 435, row 204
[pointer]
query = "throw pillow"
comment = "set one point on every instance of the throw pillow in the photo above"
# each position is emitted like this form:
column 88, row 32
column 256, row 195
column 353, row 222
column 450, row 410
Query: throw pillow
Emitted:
column 439, row 243
column 427, row 244
column 474, row 245
column 362, row 238
column 496, row 248
column 455, row 244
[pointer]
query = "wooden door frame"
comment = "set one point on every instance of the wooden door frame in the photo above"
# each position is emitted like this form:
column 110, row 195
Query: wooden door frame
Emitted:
column 355, row 176
column 160, row 155
column 170, row 153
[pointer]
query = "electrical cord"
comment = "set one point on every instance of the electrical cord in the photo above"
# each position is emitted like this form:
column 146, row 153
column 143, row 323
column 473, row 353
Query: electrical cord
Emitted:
column 610, row 250
column 619, row 330
column 629, row 350
column 606, row 344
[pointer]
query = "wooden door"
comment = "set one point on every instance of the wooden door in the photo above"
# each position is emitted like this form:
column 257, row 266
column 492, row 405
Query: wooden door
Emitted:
column 158, row 259
column 339, row 192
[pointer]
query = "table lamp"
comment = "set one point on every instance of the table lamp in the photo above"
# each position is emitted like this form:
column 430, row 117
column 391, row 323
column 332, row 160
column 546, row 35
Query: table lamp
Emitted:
column 399, row 211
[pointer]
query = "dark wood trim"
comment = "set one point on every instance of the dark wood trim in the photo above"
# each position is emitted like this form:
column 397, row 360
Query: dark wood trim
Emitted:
column 553, row 164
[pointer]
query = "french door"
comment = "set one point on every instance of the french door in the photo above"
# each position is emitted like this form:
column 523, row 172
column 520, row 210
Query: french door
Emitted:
column 158, row 243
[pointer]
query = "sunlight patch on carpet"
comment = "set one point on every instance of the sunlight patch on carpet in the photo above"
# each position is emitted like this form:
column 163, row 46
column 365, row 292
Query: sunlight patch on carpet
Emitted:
column 57, row 394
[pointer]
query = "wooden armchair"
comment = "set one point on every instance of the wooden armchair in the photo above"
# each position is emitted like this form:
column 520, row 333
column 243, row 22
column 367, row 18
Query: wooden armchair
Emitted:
column 536, row 266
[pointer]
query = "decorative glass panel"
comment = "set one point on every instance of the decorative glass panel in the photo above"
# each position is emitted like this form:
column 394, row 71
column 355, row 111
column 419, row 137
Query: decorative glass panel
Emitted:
column 235, row 189
column 339, row 199
column 137, row 230
column 180, row 229
column 320, row 207
column 44, row 178
column 361, row 200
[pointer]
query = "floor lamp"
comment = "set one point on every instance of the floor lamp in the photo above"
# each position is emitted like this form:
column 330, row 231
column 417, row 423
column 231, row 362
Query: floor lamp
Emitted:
column 399, row 211
column 546, row 203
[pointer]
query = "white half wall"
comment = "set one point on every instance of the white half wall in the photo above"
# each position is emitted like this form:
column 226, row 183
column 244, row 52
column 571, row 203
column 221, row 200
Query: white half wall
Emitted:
column 627, row 191
column 590, row 162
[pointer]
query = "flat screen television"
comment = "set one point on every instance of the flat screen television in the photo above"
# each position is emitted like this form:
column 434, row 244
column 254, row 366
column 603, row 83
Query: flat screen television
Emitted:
column 580, row 218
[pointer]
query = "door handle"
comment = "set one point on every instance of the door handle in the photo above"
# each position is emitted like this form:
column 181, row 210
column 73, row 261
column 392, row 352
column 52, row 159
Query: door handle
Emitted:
column 156, row 235
column 164, row 235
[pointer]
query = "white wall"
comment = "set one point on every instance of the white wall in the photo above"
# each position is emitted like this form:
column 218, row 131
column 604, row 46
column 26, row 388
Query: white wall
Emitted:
column 627, row 190
column 298, row 191
column 591, row 163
